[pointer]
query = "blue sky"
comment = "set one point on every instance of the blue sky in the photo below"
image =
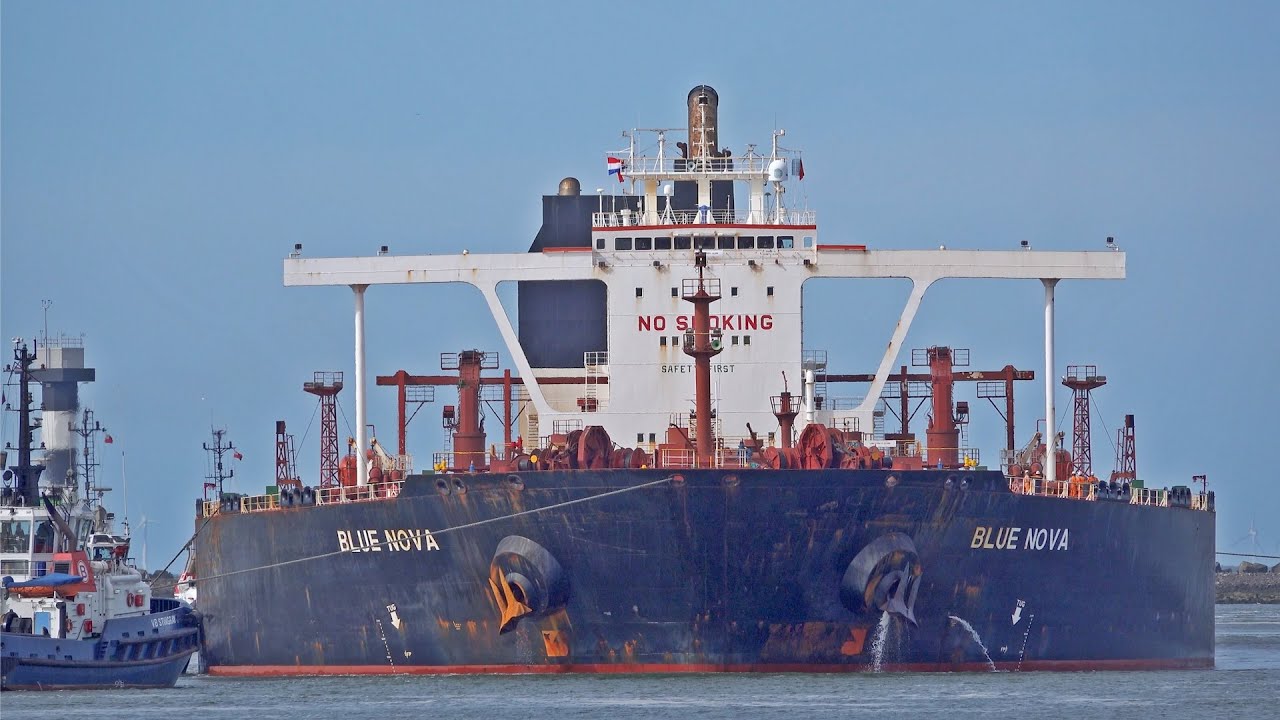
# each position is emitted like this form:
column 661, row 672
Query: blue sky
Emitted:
column 160, row 159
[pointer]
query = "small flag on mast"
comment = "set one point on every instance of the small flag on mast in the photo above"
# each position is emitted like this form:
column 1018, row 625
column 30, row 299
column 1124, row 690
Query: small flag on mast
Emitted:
column 616, row 166
column 800, row 169
column 237, row 455
column 107, row 440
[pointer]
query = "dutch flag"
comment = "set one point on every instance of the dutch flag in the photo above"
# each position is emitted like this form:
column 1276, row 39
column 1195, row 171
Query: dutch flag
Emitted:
column 616, row 166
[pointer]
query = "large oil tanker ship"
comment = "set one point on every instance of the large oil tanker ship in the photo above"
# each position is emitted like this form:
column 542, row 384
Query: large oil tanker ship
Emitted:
column 745, row 528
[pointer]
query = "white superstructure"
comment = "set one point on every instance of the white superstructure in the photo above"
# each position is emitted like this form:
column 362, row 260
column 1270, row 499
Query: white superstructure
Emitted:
column 762, row 257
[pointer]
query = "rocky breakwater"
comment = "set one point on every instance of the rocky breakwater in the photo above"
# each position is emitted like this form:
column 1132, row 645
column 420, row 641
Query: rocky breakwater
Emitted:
column 1249, row 583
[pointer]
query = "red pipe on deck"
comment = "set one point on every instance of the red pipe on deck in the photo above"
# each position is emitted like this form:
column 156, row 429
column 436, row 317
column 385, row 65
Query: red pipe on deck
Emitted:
column 943, row 435
column 468, row 438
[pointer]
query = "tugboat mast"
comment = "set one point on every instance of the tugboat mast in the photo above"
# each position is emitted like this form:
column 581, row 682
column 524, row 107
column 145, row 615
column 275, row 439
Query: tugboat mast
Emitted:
column 26, row 490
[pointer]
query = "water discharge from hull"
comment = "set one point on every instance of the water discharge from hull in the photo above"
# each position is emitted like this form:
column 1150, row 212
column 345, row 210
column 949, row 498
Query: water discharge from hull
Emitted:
column 974, row 634
column 877, row 644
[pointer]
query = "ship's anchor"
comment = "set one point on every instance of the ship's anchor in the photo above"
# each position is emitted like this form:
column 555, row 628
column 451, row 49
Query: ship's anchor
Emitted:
column 884, row 575
column 526, row 581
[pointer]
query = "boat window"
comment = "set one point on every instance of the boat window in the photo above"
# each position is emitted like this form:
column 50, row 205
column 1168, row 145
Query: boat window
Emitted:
column 735, row 339
column 733, row 291
column 786, row 242
column 683, row 242
column 43, row 537
column 769, row 291
column 644, row 243
column 662, row 340
column 622, row 243
column 724, row 243
column 746, row 243
column 764, row 242
column 662, row 243
column 808, row 241
column 15, row 536
column 703, row 242
column 746, row 339
column 600, row 243
column 639, row 292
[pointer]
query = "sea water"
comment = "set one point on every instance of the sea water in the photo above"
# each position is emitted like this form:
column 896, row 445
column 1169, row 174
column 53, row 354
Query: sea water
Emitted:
column 1244, row 685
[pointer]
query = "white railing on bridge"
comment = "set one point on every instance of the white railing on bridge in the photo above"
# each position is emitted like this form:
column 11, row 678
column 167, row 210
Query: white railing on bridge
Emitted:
column 694, row 218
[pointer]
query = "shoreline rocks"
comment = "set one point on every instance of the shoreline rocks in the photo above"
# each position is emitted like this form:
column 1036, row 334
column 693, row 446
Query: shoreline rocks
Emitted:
column 1248, row 587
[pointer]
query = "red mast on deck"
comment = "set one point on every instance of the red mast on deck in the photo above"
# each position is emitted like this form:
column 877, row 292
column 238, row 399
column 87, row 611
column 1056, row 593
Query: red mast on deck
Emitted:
column 326, row 386
column 702, row 343
column 466, row 426
column 1082, row 379
column 943, row 434
column 1126, row 454
column 786, row 412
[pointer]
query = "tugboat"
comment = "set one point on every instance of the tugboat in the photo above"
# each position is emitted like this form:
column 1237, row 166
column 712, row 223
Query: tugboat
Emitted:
column 75, row 611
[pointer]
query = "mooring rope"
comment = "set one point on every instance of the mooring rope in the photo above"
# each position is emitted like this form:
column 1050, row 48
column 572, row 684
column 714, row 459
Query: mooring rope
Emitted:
column 418, row 535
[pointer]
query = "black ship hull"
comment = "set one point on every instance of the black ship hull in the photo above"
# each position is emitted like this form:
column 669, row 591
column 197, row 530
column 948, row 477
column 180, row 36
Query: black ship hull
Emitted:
column 711, row 570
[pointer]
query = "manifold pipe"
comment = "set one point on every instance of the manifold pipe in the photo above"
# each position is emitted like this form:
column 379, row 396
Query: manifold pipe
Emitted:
column 362, row 467
column 1051, row 432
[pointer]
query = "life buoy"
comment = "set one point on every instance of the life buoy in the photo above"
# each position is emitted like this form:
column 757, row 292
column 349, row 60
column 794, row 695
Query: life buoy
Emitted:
column 1028, row 485
column 128, row 599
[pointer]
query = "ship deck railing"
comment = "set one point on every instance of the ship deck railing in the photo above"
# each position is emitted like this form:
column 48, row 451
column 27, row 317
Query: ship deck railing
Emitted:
column 710, row 218
column 1153, row 497
column 324, row 496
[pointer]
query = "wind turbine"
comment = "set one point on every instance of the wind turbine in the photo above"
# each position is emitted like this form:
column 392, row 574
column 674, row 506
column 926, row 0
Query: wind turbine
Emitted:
column 143, row 527
column 1255, row 547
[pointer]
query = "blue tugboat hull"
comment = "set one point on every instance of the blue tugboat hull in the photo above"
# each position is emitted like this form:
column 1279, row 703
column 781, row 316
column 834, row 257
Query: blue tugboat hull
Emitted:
column 146, row 651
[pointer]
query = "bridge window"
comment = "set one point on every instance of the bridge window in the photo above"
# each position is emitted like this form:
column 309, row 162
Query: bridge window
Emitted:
column 808, row 241
column 599, row 243
column 764, row 242
column 683, row 242
column 652, row 437
column 675, row 292
column 769, row 291
column 704, row 242
column 639, row 292
column 746, row 243
column 644, row 243
column 622, row 243
column 733, row 291
column 786, row 242
column 662, row 243
column 746, row 339
column 15, row 536
column 639, row 437
column 724, row 243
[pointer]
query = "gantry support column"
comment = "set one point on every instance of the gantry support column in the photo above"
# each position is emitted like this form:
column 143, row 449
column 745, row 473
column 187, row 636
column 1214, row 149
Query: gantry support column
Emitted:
column 1051, row 432
column 362, row 463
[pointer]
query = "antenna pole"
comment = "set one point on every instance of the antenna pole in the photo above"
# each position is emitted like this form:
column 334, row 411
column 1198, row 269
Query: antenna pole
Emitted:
column 217, row 451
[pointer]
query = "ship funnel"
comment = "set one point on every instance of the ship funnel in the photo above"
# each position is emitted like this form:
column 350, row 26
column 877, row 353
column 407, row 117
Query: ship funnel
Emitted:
column 704, row 119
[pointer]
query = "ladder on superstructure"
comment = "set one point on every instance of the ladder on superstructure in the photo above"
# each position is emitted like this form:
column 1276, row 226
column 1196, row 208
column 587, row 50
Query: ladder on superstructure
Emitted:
column 595, row 363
